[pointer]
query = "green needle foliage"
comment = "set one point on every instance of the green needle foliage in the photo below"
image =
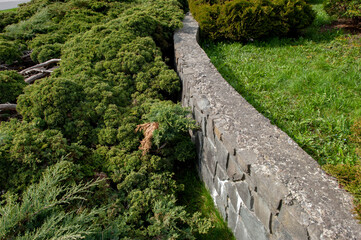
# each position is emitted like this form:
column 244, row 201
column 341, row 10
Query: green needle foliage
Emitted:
column 11, row 86
column 41, row 212
column 244, row 20
column 112, row 78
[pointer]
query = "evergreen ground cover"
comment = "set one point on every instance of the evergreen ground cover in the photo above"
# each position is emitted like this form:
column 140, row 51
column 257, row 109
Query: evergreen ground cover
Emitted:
column 96, row 148
column 309, row 86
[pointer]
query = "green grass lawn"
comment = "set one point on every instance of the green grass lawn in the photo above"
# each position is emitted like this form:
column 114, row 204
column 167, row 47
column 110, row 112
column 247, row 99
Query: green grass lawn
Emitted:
column 309, row 86
column 9, row 10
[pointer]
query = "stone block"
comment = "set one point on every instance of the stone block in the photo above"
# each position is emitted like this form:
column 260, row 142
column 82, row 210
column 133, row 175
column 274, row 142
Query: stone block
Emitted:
column 245, row 194
column 217, row 132
column 254, row 226
column 206, row 176
column 198, row 116
column 233, row 195
column 209, row 129
column 278, row 231
column 262, row 211
column 204, row 125
column 221, row 173
column 191, row 105
column 222, row 207
column 240, row 232
column 203, row 104
column 245, row 158
column 314, row 231
column 229, row 142
column 198, row 140
column 222, row 154
column 268, row 186
column 220, row 187
column 232, row 217
column 289, row 217
column 209, row 156
column 233, row 171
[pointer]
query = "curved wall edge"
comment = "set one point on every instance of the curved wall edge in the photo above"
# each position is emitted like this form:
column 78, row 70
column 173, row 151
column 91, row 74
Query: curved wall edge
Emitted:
column 263, row 183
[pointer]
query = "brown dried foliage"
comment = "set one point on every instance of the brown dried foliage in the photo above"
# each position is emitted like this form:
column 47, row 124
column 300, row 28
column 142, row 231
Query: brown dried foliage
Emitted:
column 148, row 130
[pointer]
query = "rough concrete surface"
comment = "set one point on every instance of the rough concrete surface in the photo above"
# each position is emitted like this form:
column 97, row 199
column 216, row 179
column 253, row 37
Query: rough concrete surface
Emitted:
column 288, row 195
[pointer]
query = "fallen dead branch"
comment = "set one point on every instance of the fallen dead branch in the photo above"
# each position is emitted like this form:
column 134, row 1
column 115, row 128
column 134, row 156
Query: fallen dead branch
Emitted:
column 148, row 130
column 7, row 107
column 41, row 74
column 40, row 65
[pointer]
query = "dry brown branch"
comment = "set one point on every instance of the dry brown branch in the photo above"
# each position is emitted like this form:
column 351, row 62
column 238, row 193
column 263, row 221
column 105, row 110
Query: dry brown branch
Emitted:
column 7, row 107
column 148, row 130
column 44, row 64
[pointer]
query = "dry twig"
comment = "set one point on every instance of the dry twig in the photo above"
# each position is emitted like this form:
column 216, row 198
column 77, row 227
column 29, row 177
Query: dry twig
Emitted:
column 148, row 130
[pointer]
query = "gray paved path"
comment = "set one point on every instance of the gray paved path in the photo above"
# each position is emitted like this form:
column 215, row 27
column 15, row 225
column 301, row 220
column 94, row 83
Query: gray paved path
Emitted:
column 8, row 4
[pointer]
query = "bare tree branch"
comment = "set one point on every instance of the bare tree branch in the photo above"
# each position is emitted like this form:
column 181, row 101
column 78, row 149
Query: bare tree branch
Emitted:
column 42, row 70
column 7, row 107
column 32, row 79
column 44, row 64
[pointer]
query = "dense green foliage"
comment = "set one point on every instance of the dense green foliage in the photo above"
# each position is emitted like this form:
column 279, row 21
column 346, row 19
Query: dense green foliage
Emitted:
column 309, row 87
column 79, row 124
column 244, row 20
column 10, row 50
column 344, row 8
column 41, row 213
column 11, row 86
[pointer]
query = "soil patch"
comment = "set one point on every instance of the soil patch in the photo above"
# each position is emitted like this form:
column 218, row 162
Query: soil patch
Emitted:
column 348, row 25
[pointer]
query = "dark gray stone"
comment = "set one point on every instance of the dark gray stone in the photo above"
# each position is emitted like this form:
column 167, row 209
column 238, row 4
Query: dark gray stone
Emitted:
column 271, row 193
column 206, row 176
column 288, row 217
column 221, row 154
column 262, row 210
column 245, row 159
column 278, row 231
column 245, row 194
column 209, row 155
column 254, row 227
column 232, row 217
column 233, row 171
column 204, row 125
column 198, row 140
column 209, row 129
column 222, row 207
column 233, row 195
column 221, row 173
column 240, row 231
column 229, row 142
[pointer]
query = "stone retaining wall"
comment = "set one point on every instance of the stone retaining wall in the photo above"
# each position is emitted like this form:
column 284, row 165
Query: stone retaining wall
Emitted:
column 263, row 183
